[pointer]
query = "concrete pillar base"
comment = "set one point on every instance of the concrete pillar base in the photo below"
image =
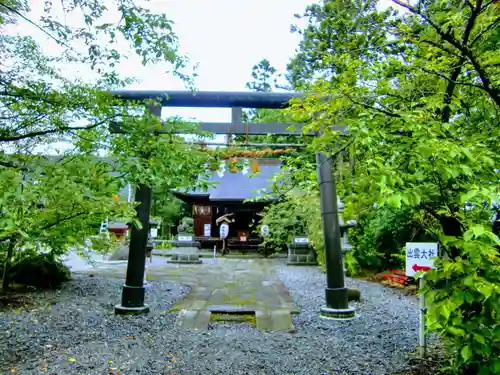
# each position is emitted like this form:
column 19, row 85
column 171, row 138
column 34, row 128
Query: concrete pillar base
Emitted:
column 124, row 310
column 337, row 314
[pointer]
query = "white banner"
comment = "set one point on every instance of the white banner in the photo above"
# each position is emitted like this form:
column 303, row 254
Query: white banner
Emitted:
column 224, row 230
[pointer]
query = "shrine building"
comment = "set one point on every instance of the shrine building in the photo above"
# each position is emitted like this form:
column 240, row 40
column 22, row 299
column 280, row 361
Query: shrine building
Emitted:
column 228, row 196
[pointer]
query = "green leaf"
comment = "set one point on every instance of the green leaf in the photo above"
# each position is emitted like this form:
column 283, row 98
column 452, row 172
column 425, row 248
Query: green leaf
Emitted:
column 426, row 151
column 444, row 311
column 486, row 290
column 394, row 200
column 456, row 331
column 137, row 223
column 479, row 338
column 23, row 233
column 496, row 366
column 466, row 353
column 467, row 197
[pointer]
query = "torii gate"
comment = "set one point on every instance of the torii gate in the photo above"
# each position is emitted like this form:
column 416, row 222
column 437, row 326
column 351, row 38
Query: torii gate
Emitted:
column 337, row 306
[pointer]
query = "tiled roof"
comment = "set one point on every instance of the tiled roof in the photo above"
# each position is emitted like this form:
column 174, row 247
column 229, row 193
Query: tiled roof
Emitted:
column 238, row 186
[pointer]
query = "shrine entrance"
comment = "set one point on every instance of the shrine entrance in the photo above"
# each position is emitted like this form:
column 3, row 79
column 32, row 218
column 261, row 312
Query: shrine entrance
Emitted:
column 335, row 292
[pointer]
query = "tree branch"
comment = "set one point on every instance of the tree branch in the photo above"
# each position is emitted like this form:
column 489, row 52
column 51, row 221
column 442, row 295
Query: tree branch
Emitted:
column 440, row 46
column 10, row 9
column 492, row 25
column 66, row 218
column 367, row 106
column 461, row 83
column 8, row 164
column 465, row 50
column 52, row 131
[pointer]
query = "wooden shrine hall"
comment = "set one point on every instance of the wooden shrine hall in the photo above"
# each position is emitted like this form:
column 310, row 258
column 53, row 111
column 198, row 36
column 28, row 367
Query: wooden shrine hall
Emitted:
column 228, row 197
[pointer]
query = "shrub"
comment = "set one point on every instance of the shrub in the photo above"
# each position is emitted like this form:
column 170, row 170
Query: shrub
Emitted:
column 381, row 235
column 284, row 221
column 464, row 302
column 39, row 270
column 351, row 264
column 164, row 245
column 297, row 214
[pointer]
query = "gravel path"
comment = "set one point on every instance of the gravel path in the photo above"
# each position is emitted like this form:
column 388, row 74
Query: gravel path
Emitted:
column 76, row 332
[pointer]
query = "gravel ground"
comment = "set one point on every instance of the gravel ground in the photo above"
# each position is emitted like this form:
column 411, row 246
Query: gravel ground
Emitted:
column 76, row 332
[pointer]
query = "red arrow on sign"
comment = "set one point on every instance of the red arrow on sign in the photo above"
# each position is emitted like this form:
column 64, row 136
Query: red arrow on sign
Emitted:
column 417, row 268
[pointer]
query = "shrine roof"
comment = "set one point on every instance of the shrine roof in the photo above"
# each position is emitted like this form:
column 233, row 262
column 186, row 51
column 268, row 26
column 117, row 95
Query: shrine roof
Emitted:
column 239, row 186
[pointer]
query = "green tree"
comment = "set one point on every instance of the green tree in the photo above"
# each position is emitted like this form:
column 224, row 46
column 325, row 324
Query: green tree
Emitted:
column 54, row 204
column 418, row 95
column 169, row 209
column 265, row 79
column 39, row 105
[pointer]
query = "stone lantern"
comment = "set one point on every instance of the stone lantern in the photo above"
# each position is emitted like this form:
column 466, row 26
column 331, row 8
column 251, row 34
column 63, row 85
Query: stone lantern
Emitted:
column 186, row 248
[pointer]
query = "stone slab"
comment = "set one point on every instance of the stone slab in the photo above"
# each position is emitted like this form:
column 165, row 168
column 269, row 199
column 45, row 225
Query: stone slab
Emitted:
column 274, row 320
column 301, row 263
column 184, row 261
column 194, row 319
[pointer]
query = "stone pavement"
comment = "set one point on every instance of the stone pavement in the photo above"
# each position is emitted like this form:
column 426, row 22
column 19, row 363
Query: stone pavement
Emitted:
column 225, row 289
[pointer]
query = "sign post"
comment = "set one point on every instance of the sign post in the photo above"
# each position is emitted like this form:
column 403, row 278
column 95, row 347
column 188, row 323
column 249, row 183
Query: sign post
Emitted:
column 420, row 256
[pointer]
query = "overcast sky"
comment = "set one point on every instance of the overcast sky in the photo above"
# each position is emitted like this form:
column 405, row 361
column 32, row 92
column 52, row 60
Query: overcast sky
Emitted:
column 225, row 37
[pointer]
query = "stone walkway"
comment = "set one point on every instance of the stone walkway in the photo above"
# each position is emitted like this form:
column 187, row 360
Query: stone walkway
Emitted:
column 225, row 289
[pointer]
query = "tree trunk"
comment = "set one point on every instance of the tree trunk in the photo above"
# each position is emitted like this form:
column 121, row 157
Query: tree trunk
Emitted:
column 452, row 227
column 495, row 227
column 6, row 267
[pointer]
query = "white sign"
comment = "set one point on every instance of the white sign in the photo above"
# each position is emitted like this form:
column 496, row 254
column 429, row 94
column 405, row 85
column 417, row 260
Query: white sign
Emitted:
column 301, row 240
column 243, row 238
column 420, row 257
column 154, row 232
column 184, row 238
column 207, row 230
column 264, row 230
column 224, row 230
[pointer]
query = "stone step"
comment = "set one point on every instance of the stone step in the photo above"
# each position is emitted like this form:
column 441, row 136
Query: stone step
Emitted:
column 231, row 309
column 233, row 318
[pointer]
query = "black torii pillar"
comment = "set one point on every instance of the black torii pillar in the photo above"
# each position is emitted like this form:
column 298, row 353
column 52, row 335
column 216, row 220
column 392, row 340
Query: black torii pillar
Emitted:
column 335, row 293
column 133, row 293
column 337, row 306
